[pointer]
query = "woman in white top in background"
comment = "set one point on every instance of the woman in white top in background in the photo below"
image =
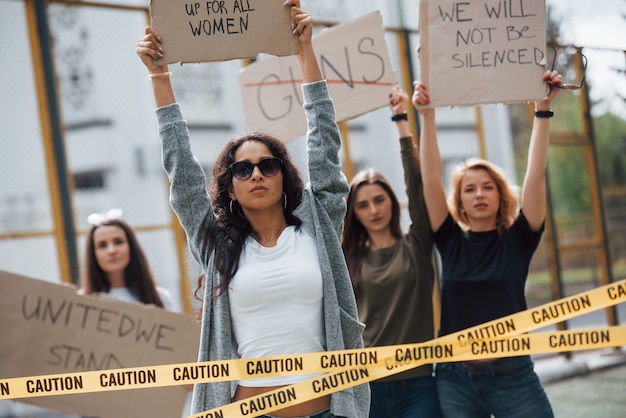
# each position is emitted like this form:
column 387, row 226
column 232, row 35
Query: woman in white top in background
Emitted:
column 116, row 264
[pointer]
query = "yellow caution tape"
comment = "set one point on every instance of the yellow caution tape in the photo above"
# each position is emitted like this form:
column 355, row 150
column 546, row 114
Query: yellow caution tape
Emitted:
column 348, row 368
column 407, row 357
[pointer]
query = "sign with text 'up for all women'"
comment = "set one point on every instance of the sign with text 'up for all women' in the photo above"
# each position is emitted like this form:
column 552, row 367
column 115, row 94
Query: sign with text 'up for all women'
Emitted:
column 222, row 30
column 354, row 59
column 48, row 328
column 483, row 51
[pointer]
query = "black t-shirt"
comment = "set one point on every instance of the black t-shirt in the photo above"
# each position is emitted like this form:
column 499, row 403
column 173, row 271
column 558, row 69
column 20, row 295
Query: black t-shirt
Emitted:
column 483, row 273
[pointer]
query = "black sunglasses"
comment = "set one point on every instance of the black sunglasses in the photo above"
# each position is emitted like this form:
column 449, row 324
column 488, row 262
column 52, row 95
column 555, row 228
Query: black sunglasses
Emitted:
column 570, row 86
column 268, row 166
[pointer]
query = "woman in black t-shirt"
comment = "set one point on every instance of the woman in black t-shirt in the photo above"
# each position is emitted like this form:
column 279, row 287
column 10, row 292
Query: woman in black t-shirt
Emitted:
column 486, row 246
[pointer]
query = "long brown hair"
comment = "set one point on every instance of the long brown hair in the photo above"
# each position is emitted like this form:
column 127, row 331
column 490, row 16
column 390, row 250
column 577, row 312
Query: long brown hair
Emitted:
column 233, row 227
column 508, row 205
column 138, row 277
column 355, row 236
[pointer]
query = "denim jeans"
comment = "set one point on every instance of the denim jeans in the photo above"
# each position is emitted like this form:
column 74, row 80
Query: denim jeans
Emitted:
column 409, row 398
column 510, row 389
column 323, row 414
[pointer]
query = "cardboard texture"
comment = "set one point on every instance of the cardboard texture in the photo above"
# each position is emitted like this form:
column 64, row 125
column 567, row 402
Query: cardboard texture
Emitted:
column 221, row 30
column 48, row 328
column 353, row 57
column 480, row 52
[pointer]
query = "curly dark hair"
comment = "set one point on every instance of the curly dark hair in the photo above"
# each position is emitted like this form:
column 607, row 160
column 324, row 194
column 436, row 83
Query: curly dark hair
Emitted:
column 233, row 227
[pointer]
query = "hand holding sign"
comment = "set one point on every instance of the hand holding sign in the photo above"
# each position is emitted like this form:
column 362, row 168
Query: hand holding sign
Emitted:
column 48, row 328
column 221, row 30
column 354, row 59
column 488, row 51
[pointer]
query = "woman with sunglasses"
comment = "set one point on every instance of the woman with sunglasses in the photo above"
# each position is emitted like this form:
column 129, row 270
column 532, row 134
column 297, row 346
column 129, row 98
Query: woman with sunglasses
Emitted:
column 486, row 245
column 393, row 274
column 276, row 279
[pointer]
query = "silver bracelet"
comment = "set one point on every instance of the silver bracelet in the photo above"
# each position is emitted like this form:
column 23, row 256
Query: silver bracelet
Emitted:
column 165, row 74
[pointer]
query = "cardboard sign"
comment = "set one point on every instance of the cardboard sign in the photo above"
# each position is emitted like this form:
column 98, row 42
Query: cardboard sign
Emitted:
column 354, row 59
column 486, row 51
column 48, row 328
column 221, row 30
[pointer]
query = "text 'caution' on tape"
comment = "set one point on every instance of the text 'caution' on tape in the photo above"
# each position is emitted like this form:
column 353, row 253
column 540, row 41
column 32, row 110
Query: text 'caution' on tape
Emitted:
column 339, row 370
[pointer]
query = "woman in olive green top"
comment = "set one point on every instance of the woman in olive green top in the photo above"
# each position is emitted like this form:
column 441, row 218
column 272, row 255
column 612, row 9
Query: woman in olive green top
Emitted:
column 393, row 275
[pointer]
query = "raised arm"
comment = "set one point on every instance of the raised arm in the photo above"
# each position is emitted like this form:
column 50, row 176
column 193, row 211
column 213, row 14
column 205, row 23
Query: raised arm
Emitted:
column 188, row 194
column 327, row 181
column 302, row 24
column 534, row 187
column 430, row 160
column 149, row 49
column 420, row 224
column 398, row 101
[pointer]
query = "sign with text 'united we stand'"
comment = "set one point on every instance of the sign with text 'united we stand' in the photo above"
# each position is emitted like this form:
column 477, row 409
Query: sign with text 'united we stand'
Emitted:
column 354, row 59
column 48, row 328
column 222, row 30
column 485, row 51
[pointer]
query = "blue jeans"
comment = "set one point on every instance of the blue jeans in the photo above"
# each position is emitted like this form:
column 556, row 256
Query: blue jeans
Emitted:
column 506, row 388
column 408, row 398
column 323, row 414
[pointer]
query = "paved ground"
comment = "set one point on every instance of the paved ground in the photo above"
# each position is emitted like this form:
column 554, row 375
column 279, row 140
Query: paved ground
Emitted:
column 590, row 383
column 599, row 394
column 10, row 409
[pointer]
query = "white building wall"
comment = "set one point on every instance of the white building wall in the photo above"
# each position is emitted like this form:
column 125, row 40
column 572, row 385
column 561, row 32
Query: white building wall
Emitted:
column 107, row 111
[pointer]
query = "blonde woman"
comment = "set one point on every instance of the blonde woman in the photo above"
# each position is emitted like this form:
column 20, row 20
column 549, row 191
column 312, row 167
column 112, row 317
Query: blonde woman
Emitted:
column 486, row 246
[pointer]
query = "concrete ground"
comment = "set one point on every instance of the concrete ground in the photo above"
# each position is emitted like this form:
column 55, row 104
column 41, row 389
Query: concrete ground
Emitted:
column 594, row 387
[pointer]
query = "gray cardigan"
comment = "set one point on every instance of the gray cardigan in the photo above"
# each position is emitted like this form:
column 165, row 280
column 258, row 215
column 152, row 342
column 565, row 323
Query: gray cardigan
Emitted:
column 322, row 212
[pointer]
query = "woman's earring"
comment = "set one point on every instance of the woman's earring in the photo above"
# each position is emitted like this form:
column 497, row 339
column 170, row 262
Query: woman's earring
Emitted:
column 462, row 210
column 230, row 206
column 284, row 200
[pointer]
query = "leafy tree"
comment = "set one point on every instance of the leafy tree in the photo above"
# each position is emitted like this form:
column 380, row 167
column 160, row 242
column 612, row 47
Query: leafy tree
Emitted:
column 611, row 139
column 570, row 188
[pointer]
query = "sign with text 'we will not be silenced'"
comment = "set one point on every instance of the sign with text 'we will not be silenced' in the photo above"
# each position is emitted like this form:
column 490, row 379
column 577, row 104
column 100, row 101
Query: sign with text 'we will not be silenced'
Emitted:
column 222, row 30
column 484, row 51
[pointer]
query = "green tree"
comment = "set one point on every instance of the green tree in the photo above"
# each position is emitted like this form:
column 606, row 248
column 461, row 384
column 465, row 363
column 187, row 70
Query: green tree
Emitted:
column 611, row 141
column 570, row 188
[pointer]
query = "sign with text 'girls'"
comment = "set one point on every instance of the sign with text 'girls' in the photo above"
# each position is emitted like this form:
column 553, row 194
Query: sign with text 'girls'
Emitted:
column 222, row 30
column 354, row 59
column 49, row 328
column 485, row 51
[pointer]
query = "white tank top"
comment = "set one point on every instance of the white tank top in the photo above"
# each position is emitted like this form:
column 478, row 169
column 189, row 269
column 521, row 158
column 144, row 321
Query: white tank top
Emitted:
column 123, row 294
column 276, row 302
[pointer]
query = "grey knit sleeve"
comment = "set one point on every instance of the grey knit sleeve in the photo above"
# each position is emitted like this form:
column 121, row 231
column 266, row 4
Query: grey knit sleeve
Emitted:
column 188, row 193
column 327, row 181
